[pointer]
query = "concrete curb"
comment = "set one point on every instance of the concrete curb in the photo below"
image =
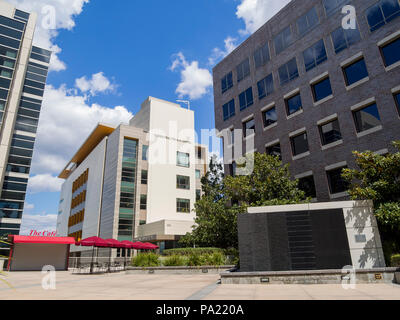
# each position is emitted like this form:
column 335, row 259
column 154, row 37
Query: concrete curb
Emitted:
column 179, row 270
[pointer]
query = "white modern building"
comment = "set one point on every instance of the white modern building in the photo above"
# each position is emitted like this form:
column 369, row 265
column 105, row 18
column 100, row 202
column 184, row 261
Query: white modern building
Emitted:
column 23, row 73
column 136, row 182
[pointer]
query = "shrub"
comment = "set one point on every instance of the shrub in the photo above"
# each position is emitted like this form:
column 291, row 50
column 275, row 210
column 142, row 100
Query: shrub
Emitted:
column 146, row 260
column 215, row 259
column 395, row 260
column 189, row 251
column 174, row 261
column 195, row 260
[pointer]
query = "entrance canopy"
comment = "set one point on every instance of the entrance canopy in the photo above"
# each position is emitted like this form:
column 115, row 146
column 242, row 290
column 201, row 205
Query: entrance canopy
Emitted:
column 41, row 240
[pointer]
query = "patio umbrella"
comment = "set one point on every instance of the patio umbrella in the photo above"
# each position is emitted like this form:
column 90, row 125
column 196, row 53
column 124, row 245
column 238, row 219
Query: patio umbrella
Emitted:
column 94, row 242
column 139, row 246
column 151, row 246
column 115, row 244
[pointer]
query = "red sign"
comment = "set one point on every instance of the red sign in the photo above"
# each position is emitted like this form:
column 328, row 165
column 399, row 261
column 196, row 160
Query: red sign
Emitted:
column 35, row 233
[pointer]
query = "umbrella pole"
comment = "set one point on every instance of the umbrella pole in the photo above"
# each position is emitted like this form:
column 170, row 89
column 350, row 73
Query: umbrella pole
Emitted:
column 91, row 263
column 109, row 261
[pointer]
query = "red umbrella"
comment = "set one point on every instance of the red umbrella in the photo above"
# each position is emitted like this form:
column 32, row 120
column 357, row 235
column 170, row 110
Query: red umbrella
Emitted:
column 129, row 244
column 94, row 242
column 151, row 246
column 117, row 244
column 139, row 246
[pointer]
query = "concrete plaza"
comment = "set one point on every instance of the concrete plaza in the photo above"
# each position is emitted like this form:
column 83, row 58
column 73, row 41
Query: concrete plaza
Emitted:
column 120, row 286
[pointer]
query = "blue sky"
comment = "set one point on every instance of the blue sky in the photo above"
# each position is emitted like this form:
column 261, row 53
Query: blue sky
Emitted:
column 110, row 56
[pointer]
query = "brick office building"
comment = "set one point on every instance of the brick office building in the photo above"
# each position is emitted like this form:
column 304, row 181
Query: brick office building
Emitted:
column 314, row 92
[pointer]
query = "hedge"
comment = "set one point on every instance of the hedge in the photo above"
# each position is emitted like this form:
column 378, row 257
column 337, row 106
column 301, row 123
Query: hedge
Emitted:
column 190, row 251
column 395, row 260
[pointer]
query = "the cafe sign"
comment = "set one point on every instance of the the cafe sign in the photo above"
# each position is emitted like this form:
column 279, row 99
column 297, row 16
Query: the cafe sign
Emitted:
column 35, row 233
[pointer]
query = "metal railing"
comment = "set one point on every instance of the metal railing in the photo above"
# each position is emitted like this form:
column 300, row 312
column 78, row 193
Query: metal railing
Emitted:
column 97, row 265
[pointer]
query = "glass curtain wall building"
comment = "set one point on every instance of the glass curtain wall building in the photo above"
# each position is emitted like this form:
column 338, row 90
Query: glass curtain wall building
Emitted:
column 23, row 73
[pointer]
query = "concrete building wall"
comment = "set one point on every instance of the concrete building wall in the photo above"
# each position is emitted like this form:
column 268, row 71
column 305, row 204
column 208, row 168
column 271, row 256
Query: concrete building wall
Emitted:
column 95, row 163
column 379, row 86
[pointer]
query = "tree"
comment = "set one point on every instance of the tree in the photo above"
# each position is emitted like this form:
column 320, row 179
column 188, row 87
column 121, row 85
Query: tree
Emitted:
column 226, row 197
column 377, row 178
column 269, row 183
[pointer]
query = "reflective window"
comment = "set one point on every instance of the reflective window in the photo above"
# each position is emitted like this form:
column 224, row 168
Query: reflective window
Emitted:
column 270, row 117
column 229, row 109
column 243, row 70
column 250, row 126
column 21, row 14
column 246, row 99
column 322, row 89
column 41, row 51
column 343, row 39
column 307, row 184
column 182, row 182
column 274, row 150
column 143, row 202
column 7, row 63
column 293, row 104
column 144, row 177
column 227, row 82
column 9, row 42
column 315, row 55
column 40, row 57
column 8, row 52
column 283, row 40
column 145, row 153
column 261, row 56
column 10, row 32
column 308, row 21
column 391, row 52
column 265, row 86
column 397, row 99
column 36, row 92
column 355, row 72
column 330, row 132
column 299, row 144
column 183, row 205
column 182, row 159
column 336, row 182
column 198, row 195
column 12, row 23
column 381, row 13
column 367, row 118
column 288, row 72
column 331, row 6
column 198, row 174
column 5, row 83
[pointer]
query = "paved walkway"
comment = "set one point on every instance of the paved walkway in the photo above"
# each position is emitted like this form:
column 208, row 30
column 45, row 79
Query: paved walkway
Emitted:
column 28, row 285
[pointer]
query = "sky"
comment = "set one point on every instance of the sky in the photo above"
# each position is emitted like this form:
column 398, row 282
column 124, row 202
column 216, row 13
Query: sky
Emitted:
column 108, row 57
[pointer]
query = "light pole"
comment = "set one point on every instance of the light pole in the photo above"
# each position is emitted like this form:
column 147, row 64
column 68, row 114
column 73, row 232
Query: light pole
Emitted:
column 185, row 102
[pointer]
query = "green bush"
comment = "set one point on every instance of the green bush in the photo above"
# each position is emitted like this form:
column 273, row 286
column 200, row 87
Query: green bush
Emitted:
column 395, row 260
column 146, row 260
column 215, row 259
column 174, row 261
column 195, row 260
column 190, row 251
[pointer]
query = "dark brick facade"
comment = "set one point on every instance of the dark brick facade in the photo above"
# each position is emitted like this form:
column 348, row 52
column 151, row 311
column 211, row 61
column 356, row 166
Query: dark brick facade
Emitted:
column 379, row 86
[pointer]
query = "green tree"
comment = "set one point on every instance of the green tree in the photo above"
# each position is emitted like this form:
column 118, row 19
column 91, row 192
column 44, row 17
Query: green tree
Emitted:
column 377, row 178
column 269, row 183
column 224, row 198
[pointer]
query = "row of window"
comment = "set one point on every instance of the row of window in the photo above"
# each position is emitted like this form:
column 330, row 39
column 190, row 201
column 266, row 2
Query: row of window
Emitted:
column 352, row 72
column 76, row 218
column 378, row 15
column 35, row 79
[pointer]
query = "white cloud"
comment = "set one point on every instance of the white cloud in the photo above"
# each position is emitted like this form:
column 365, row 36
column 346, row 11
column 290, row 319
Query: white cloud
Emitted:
column 62, row 12
column 255, row 13
column 97, row 84
column 44, row 222
column 66, row 120
column 218, row 54
column 44, row 183
column 195, row 81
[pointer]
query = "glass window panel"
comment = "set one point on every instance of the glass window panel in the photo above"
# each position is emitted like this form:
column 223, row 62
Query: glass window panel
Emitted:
column 308, row 21
column 183, row 182
column 367, row 118
column 270, row 117
column 299, row 144
column 11, row 32
column 391, row 52
column 183, row 159
column 265, row 86
column 307, row 184
column 293, row 104
column 246, row 99
column 261, row 56
column 397, row 98
column 355, row 72
column 283, row 40
column 12, row 23
column 288, row 71
column 274, row 150
column 343, row 39
column 243, row 70
column 322, row 89
column 227, row 82
column 381, row 13
column 183, row 205
column 336, row 182
column 315, row 55
column 330, row 132
column 9, row 42
column 249, row 126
